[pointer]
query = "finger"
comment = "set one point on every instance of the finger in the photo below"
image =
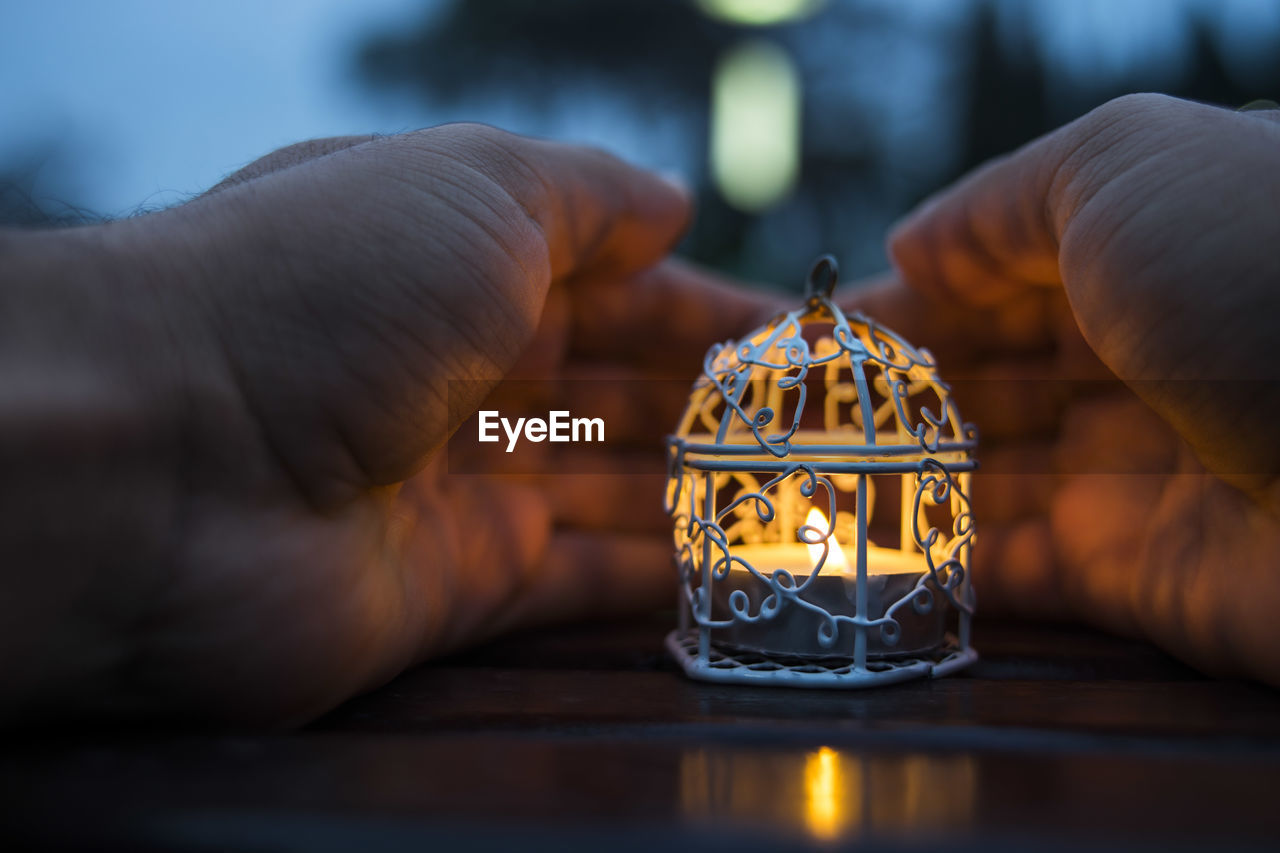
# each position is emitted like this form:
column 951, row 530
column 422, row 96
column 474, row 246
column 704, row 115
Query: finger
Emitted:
column 595, row 576
column 980, row 242
column 545, row 352
column 1015, row 573
column 622, row 502
column 1001, row 228
column 290, row 155
column 542, row 459
column 1115, row 434
column 666, row 318
column 595, row 211
column 639, row 407
column 1098, row 522
column 1015, row 483
column 1089, row 206
column 471, row 547
column 957, row 333
column 531, row 213
column 1016, row 400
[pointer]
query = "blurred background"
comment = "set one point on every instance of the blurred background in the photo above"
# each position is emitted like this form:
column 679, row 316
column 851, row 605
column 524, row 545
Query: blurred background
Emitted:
column 804, row 125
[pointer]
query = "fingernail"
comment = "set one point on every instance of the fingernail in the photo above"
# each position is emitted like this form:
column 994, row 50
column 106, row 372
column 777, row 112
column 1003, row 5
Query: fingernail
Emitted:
column 1259, row 104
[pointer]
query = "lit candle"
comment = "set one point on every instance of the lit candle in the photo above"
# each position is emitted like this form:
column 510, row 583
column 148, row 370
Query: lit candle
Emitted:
column 794, row 629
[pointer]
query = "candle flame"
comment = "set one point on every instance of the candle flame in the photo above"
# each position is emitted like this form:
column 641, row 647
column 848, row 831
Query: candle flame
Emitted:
column 836, row 560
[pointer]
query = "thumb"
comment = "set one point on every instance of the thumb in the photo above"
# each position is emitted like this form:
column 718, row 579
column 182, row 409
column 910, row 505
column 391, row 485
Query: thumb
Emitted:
column 1011, row 222
column 352, row 288
column 1155, row 216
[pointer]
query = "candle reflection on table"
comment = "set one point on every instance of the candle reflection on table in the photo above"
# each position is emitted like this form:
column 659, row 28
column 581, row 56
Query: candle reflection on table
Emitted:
column 829, row 794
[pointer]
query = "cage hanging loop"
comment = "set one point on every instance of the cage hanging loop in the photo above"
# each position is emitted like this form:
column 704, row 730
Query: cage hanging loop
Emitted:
column 822, row 278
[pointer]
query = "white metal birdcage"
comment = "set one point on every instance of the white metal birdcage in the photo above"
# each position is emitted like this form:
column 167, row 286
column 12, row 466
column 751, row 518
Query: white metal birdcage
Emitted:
column 819, row 486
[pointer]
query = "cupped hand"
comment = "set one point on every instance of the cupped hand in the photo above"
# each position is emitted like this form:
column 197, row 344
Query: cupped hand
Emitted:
column 225, row 421
column 1104, row 299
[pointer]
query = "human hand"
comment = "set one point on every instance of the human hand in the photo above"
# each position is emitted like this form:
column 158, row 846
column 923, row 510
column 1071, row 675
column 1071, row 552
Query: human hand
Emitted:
column 1135, row 244
column 224, row 495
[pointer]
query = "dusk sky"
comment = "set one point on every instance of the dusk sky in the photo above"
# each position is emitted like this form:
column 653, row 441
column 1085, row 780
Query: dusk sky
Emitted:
column 143, row 102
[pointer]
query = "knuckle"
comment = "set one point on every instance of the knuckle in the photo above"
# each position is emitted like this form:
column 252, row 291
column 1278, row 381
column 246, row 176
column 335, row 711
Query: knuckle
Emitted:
column 505, row 157
column 1134, row 105
column 1102, row 146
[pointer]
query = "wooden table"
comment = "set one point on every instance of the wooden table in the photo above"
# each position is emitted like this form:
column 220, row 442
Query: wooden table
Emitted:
column 588, row 738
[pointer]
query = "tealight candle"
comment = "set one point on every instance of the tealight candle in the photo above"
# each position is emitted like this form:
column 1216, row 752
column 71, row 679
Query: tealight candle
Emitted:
column 891, row 574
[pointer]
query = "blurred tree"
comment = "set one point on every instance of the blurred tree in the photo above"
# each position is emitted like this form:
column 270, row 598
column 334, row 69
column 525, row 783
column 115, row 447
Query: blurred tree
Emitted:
column 998, row 88
column 640, row 47
column 1211, row 82
column 1006, row 92
column 649, row 52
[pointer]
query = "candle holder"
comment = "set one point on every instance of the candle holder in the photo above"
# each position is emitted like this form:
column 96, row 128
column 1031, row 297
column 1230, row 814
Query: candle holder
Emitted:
column 819, row 489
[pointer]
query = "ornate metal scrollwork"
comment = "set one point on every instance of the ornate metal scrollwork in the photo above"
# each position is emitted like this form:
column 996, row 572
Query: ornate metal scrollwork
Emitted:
column 748, row 460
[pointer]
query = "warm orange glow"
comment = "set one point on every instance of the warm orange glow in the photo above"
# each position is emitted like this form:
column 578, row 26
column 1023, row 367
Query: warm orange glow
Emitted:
column 836, row 560
column 828, row 794
column 824, row 793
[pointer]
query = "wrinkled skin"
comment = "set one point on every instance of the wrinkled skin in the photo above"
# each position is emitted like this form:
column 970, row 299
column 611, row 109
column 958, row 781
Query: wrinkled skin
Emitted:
column 224, row 499
column 1133, row 243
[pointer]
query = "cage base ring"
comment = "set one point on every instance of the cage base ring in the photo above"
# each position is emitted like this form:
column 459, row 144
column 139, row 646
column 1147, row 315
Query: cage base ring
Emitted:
column 839, row 673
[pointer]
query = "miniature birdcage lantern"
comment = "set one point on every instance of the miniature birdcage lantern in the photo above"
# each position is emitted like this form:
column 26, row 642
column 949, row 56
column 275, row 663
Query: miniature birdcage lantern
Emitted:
column 819, row 486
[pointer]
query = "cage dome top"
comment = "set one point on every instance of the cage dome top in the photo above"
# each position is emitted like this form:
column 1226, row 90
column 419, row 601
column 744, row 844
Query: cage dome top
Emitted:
column 818, row 383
